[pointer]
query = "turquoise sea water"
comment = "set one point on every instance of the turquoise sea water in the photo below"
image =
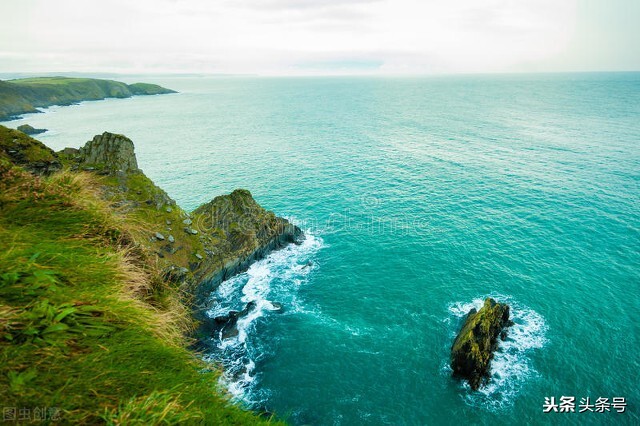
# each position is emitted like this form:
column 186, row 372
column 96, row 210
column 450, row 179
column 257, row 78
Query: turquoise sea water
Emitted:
column 421, row 196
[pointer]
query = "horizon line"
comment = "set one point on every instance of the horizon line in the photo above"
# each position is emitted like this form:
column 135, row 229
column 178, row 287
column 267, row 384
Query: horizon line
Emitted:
column 7, row 74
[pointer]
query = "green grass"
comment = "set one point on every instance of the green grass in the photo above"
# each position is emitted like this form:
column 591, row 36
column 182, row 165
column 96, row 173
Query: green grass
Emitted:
column 86, row 324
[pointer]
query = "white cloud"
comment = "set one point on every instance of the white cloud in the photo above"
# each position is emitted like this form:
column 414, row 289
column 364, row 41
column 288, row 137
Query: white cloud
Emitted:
column 283, row 36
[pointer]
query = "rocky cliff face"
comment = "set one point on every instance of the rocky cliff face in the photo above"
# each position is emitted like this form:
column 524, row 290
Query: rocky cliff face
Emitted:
column 473, row 348
column 240, row 232
column 110, row 153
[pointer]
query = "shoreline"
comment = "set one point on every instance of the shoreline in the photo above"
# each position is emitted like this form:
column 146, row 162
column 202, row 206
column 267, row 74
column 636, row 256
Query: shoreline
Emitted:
column 29, row 95
column 156, row 259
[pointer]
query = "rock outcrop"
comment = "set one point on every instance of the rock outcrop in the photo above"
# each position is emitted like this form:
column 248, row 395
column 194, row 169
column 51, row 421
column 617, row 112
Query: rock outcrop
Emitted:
column 109, row 153
column 29, row 130
column 242, row 232
column 227, row 325
column 474, row 346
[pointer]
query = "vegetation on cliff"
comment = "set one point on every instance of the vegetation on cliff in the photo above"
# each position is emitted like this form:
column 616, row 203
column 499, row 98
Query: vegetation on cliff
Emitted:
column 93, row 320
column 26, row 95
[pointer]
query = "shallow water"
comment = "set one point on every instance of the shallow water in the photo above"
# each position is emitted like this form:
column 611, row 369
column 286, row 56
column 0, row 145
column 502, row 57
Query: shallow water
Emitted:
column 421, row 196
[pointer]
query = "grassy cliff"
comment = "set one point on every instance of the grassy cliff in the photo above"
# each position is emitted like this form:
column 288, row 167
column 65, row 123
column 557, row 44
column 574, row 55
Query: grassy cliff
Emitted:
column 26, row 95
column 97, row 274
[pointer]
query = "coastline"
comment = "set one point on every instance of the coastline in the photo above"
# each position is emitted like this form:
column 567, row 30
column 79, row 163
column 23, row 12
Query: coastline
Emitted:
column 170, row 258
column 30, row 95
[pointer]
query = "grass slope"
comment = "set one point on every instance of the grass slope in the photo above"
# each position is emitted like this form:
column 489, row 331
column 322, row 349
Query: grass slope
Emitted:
column 87, row 324
column 26, row 95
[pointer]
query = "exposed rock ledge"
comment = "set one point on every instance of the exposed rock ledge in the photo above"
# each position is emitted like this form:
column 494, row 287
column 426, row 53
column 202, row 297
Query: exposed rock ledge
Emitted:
column 473, row 348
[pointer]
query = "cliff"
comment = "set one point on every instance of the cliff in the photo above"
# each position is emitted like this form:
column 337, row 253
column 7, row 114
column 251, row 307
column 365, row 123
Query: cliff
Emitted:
column 26, row 95
column 98, row 279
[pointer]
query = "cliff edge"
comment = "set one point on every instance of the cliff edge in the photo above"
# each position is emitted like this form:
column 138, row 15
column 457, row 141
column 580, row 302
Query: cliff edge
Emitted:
column 98, row 279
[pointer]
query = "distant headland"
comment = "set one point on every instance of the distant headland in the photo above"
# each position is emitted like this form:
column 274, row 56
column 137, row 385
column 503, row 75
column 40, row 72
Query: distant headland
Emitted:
column 26, row 95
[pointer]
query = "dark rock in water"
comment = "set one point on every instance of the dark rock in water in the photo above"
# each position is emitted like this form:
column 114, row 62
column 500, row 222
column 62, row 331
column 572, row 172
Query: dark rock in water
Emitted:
column 230, row 321
column 473, row 348
column 28, row 130
column 229, row 332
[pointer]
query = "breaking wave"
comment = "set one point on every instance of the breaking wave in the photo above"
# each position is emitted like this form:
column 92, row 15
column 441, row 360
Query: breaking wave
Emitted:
column 511, row 366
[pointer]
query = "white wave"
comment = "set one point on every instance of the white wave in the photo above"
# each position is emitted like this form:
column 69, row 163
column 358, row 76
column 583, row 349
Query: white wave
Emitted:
column 511, row 366
column 268, row 283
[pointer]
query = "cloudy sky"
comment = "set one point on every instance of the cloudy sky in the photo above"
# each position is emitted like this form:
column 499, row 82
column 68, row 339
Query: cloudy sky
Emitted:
column 319, row 36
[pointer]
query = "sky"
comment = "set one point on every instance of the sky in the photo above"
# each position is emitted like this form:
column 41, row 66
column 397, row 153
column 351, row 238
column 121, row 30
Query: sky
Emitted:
column 319, row 37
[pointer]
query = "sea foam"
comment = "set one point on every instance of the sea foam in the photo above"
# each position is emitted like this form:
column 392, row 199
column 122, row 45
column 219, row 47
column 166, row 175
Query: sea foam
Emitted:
column 275, row 278
column 511, row 366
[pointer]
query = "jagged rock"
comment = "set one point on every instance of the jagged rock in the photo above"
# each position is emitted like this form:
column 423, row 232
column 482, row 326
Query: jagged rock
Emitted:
column 187, row 222
column 168, row 209
column 473, row 348
column 243, row 232
column 28, row 130
column 171, row 239
column 199, row 256
column 159, row 236
column 110, row 152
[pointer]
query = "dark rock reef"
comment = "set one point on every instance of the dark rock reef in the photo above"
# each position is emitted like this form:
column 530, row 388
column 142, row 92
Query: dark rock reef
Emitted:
column 474, row 346
column 29, row 130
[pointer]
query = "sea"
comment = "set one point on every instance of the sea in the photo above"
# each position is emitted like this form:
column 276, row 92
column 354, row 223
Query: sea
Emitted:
column 419, row 197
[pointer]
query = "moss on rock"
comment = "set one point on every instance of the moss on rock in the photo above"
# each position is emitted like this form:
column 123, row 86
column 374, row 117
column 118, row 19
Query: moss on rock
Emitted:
column 473, row 348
